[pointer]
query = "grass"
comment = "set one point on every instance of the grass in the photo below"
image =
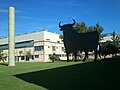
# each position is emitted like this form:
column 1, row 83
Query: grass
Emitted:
column 101, row 75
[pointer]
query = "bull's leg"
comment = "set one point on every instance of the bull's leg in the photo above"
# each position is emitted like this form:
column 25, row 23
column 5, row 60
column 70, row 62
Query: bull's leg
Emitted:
column 95, row 59
column 75, row 56
column 67, row 57
column 86, row 56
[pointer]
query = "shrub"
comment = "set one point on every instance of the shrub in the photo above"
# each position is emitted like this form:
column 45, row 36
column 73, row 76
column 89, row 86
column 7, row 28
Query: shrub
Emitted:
column 108, row 49
column 53, row 57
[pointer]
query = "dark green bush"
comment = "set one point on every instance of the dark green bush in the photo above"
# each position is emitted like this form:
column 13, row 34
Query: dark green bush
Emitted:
column 108, row 48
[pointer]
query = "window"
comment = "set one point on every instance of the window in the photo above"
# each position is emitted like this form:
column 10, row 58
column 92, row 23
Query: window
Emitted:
column 32, row 57
column 47, row 39
column 63, row 55
column 36, row 56
column 24, row 44
column 22, row 58
column 48, row 46
column 39, row 48
column 63, row 49
column 3, row 47
column 50, row 55
column 58, row 41
column 53, row 48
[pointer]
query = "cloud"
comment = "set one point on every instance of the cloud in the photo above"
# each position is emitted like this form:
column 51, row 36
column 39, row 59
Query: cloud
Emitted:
column 3, row 10
column 27, row 17
column 69, row 3
column 74, row 4
column 6, row 11
column 50, row 26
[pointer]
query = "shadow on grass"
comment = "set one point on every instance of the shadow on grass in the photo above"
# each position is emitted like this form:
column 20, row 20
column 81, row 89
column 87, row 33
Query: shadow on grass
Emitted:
column 101, row 75
column 4, row 64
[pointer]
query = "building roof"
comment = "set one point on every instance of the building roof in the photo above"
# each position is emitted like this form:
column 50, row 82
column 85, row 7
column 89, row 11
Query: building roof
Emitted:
column 106, row 38
column 43, row 35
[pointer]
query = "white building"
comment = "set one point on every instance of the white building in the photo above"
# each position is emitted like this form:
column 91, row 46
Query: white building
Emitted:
column 35, row 46
column 107, row 37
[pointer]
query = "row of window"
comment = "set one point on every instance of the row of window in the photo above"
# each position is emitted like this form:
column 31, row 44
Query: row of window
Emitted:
column 58, row 55
column 29, row 44
column 18, row 45
column 27, row 58
column 37, row 56
column 41, row 48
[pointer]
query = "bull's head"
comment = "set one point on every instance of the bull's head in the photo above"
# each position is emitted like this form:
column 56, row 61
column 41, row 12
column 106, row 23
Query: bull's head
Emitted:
column 67, row 26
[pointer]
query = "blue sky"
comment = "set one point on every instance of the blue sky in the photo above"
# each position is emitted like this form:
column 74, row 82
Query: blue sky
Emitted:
column 34, row 15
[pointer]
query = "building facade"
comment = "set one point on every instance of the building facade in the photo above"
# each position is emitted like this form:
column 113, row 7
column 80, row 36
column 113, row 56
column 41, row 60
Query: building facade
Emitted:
column 108, row 37
column 35, row 46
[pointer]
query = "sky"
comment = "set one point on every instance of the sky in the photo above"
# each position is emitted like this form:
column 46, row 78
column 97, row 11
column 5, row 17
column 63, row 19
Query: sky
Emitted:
column 36, row 15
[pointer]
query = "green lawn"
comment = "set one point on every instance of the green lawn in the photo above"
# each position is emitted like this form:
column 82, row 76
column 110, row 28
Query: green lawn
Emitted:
column 101, row 75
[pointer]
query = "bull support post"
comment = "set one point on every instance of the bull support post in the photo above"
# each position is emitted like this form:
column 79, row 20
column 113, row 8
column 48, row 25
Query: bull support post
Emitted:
column 75, row 54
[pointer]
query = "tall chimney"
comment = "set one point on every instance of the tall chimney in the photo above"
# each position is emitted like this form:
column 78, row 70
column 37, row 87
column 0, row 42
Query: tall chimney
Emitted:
column 11, row 37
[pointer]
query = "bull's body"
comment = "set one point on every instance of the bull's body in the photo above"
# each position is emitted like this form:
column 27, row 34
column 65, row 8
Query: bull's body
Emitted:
column 74, row 41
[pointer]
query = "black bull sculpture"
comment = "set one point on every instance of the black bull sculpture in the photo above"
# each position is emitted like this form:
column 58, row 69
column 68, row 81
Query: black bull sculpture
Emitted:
column 74, row 41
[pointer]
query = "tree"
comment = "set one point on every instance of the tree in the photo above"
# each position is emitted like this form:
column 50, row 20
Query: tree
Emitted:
column 100, row 29
column 53, row 57
column 28, row 55
column 2, row 56
column 81, row 27
column 115, row 38
column 20, row 52
column 108, row 48
column 61, row 37
column 90, row 29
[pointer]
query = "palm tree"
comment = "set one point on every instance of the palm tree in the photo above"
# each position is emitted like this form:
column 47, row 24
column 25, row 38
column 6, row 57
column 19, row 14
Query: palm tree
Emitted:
column 115, row 38
column 99, row 29
column 2, row 56
column 20, row 52
column 28, row 55
column 61, row 37
column 81, row 27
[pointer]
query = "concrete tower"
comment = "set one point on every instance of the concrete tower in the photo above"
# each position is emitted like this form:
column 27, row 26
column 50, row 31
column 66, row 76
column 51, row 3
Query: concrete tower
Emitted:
column 11, row 36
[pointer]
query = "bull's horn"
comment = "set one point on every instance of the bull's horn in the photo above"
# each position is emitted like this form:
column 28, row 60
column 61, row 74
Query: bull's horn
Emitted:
column 73, row 22
column 60, row 25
